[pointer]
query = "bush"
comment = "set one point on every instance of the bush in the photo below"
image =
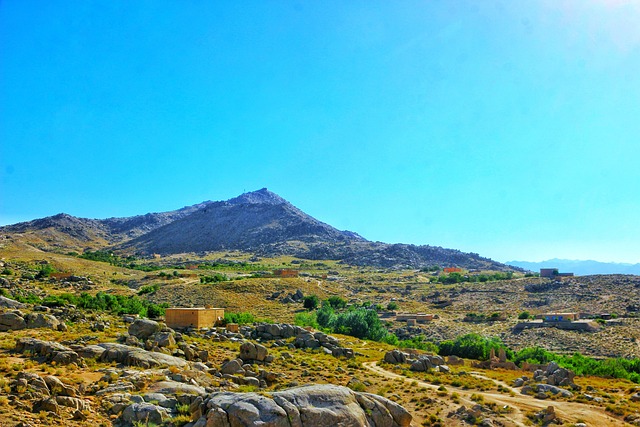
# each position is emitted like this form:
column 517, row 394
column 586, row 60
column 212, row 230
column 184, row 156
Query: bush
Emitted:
column 149, row 289
column 306, row 319
column 524, row 315
column 242, row 318
column 326, row 316
column 583, row 365
column 392, row 306
column 45, row 271
column 311, row 302
column 217, row 277
column 336, row 302
column 419, row 342
column 391, row 339
column 473, row 346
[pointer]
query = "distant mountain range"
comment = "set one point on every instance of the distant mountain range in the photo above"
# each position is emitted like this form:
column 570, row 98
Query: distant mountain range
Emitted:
column 259, row 222
column 580, row 268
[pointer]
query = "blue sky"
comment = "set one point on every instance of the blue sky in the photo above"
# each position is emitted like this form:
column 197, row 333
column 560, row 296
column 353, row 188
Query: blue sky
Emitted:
column 506, row 128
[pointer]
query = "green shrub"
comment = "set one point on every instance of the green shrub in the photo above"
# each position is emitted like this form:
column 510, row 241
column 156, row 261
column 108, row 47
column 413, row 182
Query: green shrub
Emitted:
column 360, row 323
column 473, row 346
column 524, row 315
column 583, row 365
column 242, row 318
column 419, row 342
column 149, row 289
column 392, row 306
column 336, row 302
column 45, row 271
column 311, row 302
column 217, row 277
column 391, row 339
column 306, row 319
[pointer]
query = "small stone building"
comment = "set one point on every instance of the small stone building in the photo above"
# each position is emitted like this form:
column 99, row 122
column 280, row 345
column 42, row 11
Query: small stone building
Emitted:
column 285, row 272
column 415, row 317
column 559, row 317
column 199, row 317
column 552, row 273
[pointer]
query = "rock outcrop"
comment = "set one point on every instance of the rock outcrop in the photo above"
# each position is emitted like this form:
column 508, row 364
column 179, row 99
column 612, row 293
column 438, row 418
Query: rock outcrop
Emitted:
column 420, row 363
column 144, row 328
column 309, row 406
column 134, row 356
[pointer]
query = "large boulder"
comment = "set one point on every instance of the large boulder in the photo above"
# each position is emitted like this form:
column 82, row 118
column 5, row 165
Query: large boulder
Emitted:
column 12, row 321
column 73, row 403
column 395, row 357
column 46, row 405
column 144, row 328
column 59, row 388
column 134, row 356
column 41, row 320
column 52, row 351
column 252, row 352
column 309, row 406
column 232, row 367
column 9, row 303
column 174, row 387
column 145, row 413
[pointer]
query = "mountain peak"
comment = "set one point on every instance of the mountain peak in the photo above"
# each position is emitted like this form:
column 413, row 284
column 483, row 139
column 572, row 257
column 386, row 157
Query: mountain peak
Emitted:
column 262, row 196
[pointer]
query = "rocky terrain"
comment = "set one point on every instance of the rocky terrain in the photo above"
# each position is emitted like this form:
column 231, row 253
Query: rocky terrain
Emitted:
column 78, row 345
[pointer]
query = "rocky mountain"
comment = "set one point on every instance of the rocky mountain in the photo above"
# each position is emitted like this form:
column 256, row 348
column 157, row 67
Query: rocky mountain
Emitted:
column 85, row 230
column 259, row 222
column 580, row 267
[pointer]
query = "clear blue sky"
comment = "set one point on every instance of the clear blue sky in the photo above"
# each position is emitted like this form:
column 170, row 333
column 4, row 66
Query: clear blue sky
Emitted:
column 507, row 128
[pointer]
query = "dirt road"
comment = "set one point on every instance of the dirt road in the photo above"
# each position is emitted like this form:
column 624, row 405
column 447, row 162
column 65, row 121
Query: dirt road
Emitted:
column 521, row 404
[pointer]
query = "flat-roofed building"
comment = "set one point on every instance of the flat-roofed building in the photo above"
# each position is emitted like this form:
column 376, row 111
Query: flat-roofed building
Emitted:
column 197, row 317
column 559, row 317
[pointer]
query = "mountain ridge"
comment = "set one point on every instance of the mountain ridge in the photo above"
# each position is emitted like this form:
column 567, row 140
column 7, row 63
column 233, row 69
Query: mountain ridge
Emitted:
column 259, row 222
column 580, row 267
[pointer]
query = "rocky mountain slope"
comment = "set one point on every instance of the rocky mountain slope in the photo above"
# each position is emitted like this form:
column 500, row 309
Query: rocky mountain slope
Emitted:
column 259, row 222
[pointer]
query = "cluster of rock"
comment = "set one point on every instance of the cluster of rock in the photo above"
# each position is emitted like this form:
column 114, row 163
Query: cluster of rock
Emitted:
column 49, row 350
column 242, row 370
column 548, row 380
column 159, row 402
column 419, row 363
column 494, row 361
column 303, row 338
column 48, row 394
column 8, row 302
column 547, row 416
column 476, row 415
column 14, row 320
column 158, row 338
column 312, row 406
column 290, row 298
column 408, row 332
column 633, row 419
